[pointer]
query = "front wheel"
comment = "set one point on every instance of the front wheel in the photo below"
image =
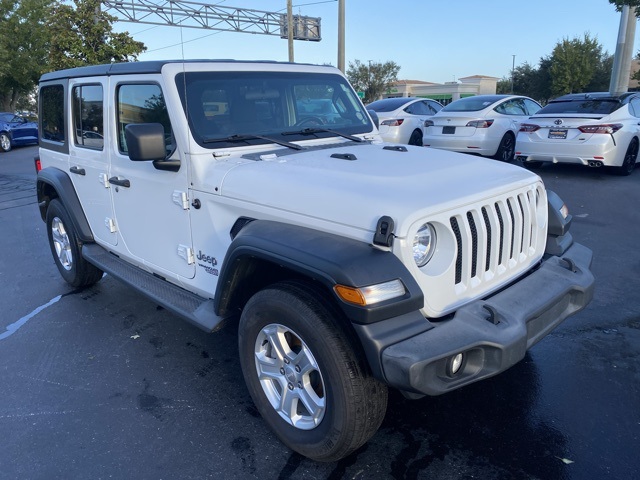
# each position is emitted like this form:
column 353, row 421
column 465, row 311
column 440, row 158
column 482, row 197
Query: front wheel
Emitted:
column 630, row 157
column 306, row 374
column 65, row 248
column 506, row 149
column 5, row 142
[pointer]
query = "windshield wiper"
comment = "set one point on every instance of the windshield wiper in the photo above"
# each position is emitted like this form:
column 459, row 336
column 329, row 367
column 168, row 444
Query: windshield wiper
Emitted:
column 246, row 138
column 312, row 131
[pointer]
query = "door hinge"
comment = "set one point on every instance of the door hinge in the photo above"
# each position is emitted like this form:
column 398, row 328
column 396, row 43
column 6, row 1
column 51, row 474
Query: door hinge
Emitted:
column 103, row 178
column 110, row 224
column 181, row 199
column 186, row 252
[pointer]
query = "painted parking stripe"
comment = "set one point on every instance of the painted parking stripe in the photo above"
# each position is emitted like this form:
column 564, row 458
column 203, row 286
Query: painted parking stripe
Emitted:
column 13, row 328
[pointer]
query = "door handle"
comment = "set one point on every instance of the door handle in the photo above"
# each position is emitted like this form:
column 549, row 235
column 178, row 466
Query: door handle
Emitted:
column 77, row 170
column 123, row 182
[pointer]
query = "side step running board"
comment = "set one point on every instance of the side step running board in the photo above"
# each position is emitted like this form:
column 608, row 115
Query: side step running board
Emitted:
column 187, row 305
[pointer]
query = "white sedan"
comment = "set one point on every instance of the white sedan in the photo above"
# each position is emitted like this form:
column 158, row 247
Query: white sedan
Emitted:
column 401, row 119
column 593, row 129
column 483, row 124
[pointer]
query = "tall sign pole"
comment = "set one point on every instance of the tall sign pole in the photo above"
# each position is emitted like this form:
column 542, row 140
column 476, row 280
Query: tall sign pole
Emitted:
column 624, row 52
column 341, row 35
column 290, row 29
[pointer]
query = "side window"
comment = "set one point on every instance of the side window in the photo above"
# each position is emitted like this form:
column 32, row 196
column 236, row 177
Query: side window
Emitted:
column 435, row 107
column 52, row 107
column 532, row 107
column 87, row 116
column 142, row 103
column 511, row 107
column 418, row 108
column 635, row 107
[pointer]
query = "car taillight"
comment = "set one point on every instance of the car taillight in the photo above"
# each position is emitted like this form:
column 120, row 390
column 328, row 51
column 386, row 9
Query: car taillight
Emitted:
column 604, row 128
column 480, row 123
column 529, row 127
column 37, row 163
column 393, row 123
column 428, row 123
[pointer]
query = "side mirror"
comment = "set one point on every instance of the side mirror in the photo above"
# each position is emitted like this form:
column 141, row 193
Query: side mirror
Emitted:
column 374, row 117
column 145, row 141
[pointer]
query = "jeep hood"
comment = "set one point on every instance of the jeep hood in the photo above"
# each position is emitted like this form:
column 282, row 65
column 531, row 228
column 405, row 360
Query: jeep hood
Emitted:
column 354, row 185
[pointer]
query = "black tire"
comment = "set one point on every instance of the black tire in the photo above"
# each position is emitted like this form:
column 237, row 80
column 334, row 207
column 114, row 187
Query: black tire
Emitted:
column 65, row 248
column 347, row 405
column 630, row 157
column 416, row 138
column 5, row 142
column 507, row 148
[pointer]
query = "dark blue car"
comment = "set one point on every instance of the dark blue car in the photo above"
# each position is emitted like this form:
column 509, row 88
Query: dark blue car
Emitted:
column 16, row 130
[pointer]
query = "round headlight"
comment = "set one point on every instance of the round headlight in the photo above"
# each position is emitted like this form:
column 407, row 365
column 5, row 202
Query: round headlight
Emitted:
column 424, row 244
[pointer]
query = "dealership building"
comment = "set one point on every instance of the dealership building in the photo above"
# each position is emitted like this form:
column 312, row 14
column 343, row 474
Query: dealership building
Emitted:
column 444, row 92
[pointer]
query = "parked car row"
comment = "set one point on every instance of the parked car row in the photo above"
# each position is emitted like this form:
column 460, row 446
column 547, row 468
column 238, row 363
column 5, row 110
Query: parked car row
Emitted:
column 16, row 130
column 592, row 129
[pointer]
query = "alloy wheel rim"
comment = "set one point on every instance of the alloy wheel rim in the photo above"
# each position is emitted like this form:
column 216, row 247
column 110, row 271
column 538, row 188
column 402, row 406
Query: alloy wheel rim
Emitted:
column 290, row 377
column 61, row 243
column 4, row 141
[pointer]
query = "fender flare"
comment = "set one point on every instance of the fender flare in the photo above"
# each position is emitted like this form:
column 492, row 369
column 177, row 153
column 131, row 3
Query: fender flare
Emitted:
column 59, row 181
column 326, row 258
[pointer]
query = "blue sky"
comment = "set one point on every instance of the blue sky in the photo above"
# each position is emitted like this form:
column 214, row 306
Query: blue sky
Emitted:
column 437, row 41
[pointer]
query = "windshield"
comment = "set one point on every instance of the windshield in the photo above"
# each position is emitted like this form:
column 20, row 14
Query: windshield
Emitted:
column 472, row 104
column 221, row 105
column 598, row 107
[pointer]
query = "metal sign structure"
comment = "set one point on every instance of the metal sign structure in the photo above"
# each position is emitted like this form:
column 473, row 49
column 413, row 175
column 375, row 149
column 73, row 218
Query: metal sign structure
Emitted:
column 212, row 17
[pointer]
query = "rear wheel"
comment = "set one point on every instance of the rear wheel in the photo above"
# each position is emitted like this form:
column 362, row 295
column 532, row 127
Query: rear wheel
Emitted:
column 506, row 149
column 306, row 374
column 416, row 138
column 65, row 248
column 5, row 142
column 630, row 157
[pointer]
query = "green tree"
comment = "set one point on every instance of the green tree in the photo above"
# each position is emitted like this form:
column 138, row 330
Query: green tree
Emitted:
column 373, row 79
column 23, row 49
column 574, row 64
column 503, row 86
column 84, row 36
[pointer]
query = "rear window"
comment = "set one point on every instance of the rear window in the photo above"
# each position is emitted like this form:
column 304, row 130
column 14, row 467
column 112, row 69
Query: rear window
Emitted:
column 388, row 104
column 472, row 104
column 598, row 107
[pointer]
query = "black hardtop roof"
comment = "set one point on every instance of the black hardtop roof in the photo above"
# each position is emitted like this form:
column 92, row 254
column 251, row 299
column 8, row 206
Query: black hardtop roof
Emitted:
column 128, row 68
column 593, row 96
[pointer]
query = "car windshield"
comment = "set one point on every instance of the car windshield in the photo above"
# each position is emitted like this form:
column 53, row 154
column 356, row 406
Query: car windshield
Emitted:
column 388, row 104
column 472, row 104
column 590, row 106
column 263, row 106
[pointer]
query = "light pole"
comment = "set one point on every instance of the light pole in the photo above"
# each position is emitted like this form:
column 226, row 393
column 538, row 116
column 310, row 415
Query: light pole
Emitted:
column 513, row 67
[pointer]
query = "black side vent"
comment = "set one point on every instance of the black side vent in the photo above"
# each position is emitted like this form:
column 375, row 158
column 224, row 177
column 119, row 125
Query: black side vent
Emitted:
column 487, row 225
column 395, row 148
column 456, row 232
column 501, row 232
column 239, row 225
column 474, row 244
column 344, row 156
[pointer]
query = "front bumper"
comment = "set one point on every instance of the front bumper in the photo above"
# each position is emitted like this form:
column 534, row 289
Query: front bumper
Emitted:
column 495, row 333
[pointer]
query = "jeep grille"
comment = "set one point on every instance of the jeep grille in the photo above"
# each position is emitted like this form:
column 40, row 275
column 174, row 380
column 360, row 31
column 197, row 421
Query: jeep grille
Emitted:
column 495, row 237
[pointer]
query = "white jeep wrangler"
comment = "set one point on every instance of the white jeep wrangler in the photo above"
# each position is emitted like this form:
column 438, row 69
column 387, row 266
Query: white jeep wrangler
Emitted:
column 260, row 193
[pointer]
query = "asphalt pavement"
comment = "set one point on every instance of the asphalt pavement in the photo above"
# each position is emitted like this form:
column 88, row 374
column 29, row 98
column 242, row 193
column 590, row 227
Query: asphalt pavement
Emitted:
column 102, row 383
